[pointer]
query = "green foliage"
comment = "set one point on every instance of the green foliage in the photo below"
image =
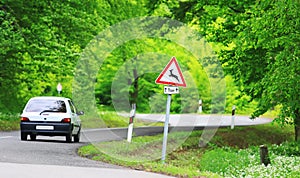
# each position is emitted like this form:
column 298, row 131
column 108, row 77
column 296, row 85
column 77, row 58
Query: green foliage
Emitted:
column 128, row 72
column 11, row 44
column 222, row 160
column 110, row 119
column 287, row 149
column 235, row 97
column 9, row 122
column 229, row 153
column 240, row 163
column 42, row 41
column 258, row 45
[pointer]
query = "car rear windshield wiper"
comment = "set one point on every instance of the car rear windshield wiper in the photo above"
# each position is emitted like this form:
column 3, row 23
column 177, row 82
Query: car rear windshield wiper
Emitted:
column 49, row 111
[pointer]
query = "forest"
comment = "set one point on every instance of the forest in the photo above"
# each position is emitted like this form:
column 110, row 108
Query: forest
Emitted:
column 107, row 54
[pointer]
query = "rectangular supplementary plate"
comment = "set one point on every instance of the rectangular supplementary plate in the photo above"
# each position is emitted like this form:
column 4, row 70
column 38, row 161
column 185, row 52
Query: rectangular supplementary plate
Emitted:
column 171, row 90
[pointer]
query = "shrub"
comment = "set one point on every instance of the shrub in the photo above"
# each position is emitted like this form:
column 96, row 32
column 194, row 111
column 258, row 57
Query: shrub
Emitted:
column 286, row 149
column 9, row 122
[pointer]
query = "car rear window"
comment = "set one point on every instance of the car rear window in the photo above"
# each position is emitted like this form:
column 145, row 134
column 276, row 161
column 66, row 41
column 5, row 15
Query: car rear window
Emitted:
column 40, row 105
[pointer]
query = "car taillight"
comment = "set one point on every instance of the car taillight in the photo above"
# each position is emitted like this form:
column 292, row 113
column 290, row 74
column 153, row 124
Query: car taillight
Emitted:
column 24, row 119
column 66, row 120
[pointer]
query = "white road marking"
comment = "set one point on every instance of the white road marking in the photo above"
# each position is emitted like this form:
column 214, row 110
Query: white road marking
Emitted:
column 6, row 137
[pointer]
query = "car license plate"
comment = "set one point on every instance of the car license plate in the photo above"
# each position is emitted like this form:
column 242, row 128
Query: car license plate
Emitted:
column 44, row 127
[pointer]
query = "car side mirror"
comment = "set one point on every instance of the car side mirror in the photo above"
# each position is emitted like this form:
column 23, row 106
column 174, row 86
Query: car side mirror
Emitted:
column 80, row 113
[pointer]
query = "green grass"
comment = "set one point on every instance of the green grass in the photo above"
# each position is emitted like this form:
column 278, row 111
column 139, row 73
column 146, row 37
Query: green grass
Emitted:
column 9, row 122
column 238, row 148
column 110, row 119
column 246, row 162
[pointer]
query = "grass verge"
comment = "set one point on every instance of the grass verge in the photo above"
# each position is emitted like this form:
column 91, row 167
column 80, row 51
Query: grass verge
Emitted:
column 110, row 119
column 9, row 122
column 238, row 147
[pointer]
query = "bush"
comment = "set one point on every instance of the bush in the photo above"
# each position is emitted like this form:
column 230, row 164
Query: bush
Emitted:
column 286, row 149
column 9, row 122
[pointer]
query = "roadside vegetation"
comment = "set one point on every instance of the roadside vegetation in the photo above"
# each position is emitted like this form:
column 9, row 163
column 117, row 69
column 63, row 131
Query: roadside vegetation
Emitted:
column 107, row 119
column 230, row 153
column 9, row 122
column 110, row 119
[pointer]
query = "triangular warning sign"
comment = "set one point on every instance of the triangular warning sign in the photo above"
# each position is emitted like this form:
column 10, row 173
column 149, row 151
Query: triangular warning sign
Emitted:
column 171, row 75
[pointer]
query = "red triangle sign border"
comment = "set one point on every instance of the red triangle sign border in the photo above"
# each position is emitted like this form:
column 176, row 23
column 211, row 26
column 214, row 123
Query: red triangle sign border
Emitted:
column 159, row 81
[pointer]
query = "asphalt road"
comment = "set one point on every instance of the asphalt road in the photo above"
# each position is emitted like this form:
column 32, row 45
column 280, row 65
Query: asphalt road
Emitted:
column 202, row 121
column 43, row 151
column 52, row 157
column 49, row 157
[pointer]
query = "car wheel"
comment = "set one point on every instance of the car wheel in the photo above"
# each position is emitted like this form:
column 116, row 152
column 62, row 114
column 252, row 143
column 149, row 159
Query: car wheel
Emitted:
column 77, row 137
column 32, row 137
column 69, row 138
column 23, row 136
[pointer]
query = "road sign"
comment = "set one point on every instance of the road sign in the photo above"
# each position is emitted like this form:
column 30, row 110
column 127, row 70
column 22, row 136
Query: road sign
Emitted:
column 171, row 75
column 171, row 90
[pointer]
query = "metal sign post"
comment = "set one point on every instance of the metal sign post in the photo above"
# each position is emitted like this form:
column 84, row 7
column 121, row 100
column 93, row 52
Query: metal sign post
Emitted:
column 166, row 128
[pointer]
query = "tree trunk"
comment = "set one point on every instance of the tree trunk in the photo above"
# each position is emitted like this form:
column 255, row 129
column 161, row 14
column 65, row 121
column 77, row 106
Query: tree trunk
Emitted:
column 297, row 125
column 133, row 80
column 135, row 93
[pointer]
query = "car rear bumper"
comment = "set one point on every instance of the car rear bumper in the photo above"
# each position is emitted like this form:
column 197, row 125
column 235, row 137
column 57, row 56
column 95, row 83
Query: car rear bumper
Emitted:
column 46, row 128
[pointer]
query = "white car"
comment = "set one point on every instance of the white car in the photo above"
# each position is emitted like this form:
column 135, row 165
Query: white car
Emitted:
column 50, row 116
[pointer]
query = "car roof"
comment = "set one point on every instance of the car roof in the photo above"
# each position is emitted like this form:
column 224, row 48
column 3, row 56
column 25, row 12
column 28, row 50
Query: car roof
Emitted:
column 49, row 97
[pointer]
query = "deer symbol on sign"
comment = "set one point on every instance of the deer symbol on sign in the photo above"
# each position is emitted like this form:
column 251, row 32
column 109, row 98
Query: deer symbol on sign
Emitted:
column 173, row 75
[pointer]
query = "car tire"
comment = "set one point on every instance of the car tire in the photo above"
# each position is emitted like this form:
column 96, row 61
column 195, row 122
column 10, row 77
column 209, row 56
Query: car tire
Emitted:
column 77, row 137
column 32, row 137
column 69, row 138
column 23, row 136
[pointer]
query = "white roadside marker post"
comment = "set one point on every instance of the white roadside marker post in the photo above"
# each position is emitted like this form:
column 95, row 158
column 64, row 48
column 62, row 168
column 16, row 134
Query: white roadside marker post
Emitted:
column 200, row 106
column 130, row 126
column 59, row 88
column 232, row 116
